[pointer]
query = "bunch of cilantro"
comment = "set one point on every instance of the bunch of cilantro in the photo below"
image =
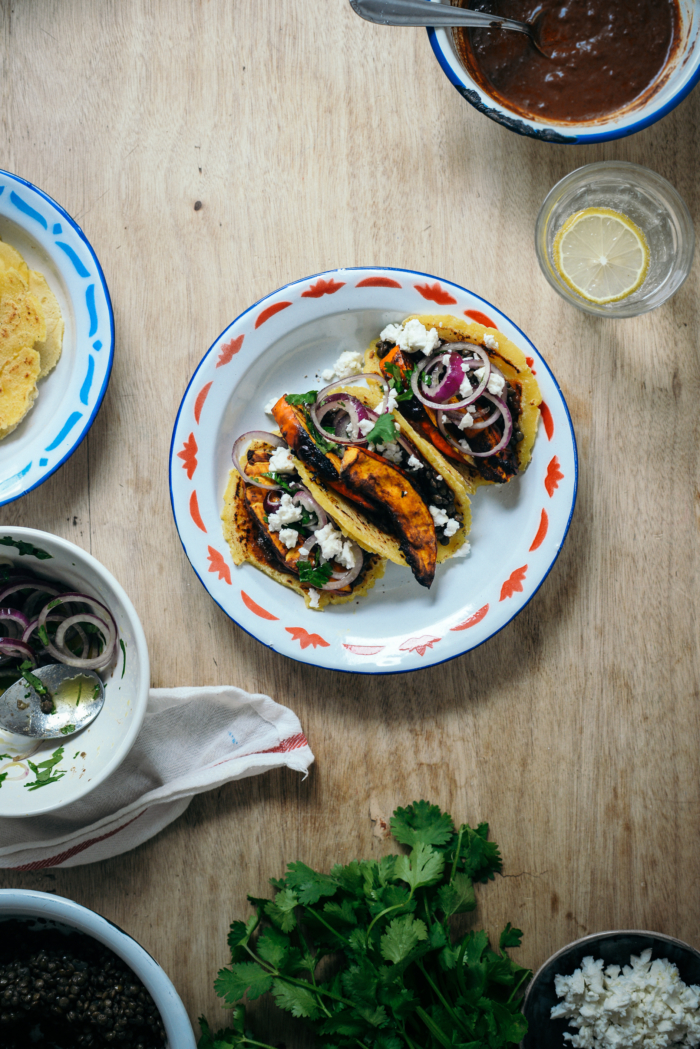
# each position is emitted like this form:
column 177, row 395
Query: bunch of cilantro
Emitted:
column 366, row 954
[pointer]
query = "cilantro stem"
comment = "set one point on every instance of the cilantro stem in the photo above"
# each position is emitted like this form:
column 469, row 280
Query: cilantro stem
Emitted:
column 446, row 1005
column 396, row 907
column 518, row 985
column 330, row 927
column 457, row 851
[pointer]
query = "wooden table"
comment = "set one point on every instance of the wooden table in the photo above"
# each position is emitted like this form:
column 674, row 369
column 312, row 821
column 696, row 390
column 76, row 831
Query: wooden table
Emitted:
column 313, row 140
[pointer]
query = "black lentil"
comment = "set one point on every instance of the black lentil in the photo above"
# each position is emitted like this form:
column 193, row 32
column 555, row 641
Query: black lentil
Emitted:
column 62, row 991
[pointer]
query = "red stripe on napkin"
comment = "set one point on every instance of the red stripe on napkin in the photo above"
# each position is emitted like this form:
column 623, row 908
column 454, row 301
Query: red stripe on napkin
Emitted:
column 54, row 861
column 291, row 743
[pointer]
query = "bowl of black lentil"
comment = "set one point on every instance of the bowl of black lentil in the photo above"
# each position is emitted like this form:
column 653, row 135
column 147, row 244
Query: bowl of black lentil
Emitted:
column 70, row 979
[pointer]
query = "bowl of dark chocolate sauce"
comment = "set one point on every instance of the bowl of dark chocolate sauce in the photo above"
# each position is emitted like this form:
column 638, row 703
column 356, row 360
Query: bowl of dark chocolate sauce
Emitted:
column 610, row 67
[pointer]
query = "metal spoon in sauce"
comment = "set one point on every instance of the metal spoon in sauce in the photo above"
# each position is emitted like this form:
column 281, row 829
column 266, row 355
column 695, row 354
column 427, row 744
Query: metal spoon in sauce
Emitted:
column 423, row 13
column 62, row 700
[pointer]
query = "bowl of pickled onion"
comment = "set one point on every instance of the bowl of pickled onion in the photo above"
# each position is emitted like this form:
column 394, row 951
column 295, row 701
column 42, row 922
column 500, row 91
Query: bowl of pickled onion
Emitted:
column 39, row 776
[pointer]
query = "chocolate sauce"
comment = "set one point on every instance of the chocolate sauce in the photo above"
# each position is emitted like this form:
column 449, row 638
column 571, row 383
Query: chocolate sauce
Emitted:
column 604, row 55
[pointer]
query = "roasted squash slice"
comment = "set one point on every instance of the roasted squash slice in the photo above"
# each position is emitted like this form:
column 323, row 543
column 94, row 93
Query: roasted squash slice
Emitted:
column 394, row 495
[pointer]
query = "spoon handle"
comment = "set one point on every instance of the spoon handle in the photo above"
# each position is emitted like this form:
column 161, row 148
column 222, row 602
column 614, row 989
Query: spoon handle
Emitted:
column 423, row 13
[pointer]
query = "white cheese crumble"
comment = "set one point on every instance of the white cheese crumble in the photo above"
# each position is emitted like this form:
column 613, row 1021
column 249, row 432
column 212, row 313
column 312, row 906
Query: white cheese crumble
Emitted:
column 496, row 381
column 350, row 362
column 490, row 343
column 440, row 518
column 466, row 388
column 270, row 405
column 463, row 550
column 411, row 336
column 333, row 548
column 390, row 451
column 392, row 401
column 467, row 419
column 365, row 426
column 289, row 536
column 643, row 1006
column 414, row 463
column 287, row 513
column 313, row 597
column 281, row 461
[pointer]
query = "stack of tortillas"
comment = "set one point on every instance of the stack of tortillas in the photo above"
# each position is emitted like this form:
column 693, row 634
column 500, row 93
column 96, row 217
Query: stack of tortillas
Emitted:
column 31, row 336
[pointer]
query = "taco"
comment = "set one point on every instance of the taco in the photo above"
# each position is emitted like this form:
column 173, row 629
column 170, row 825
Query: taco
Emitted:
column 466, row 389
column 376, row 477
column 272, row 521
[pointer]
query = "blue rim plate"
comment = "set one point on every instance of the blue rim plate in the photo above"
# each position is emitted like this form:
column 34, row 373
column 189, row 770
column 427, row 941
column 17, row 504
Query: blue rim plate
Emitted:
column 281, row 344
column 70, row 396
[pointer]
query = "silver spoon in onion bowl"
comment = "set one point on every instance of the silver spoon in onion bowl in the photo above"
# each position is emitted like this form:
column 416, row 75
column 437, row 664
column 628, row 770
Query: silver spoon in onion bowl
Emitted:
column 424, row 13
column 52, row 701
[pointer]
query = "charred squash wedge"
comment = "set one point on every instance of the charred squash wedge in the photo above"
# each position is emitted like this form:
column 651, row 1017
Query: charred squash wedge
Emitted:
column 392, row 494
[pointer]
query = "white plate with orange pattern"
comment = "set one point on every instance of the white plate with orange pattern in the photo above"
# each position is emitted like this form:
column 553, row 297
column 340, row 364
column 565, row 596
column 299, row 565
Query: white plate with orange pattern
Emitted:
column 281, row 344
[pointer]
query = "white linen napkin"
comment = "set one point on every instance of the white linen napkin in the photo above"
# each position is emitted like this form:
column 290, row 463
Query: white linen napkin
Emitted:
column 192, row 740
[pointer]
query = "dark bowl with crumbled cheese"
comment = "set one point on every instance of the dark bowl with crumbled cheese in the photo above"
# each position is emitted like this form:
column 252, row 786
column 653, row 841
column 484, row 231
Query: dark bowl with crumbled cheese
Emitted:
column 639, row 998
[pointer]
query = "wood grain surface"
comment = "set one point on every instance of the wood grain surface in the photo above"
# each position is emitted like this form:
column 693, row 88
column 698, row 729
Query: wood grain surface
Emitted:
column 313, row 140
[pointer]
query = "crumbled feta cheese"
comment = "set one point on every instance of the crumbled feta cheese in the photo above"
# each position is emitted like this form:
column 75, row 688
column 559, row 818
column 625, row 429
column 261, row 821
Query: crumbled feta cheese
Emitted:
column 390, row 451
column 365, row 426
column 411, row 336
column 463, row 550
column 392, row 333
column 466, row 387
column 439, row 515
column 287, row 513
column 270, row 405
column 451, row 527
column 349, row 363
column 466, row 420
column 496, row 381
column 490, row 343
column 392, row 401
column 414, row 463
column 439, row 477
column 333, row 548
column 313, row 597
column 446, row 359
column 281, row 461
column 643, row 1006
column 289, row 536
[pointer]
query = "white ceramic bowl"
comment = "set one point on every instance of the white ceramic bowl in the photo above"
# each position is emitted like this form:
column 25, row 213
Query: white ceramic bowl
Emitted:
column 282, row 344
column 62, row 913
column 93, row 754
column 675, row 82
column 70, row 396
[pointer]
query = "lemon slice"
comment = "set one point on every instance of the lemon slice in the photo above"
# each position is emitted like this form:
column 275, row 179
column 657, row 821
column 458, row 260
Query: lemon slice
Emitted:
column 601, row 254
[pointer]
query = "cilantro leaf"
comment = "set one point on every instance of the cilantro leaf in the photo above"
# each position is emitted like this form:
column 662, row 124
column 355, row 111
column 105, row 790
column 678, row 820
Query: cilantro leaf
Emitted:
column 457, row 897
column 510, row 937
column 296, row 1000
column 402, row 936
column 308, row 884
column 279, row 479
column 302, row 398
column 314, row 575
column 384, row 430
column 281, row 912
column 423, row 867
column 240, row 932
column 25, row 549
column 273, row 947
column 249, row 977
column 422, row 822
